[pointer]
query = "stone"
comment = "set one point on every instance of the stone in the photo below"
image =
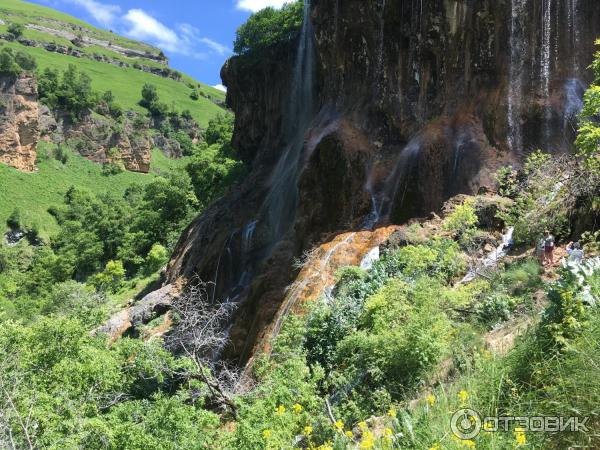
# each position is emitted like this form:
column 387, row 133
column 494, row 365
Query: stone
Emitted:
column 19, row 124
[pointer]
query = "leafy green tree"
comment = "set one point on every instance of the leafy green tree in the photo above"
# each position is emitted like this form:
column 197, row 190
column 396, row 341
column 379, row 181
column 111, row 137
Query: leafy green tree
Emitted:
column 157, row 256
column 211, row 173
column 70, row 92
column 588, row 139
column 151, row 102
column 268, row 27
column 14, row 63
column 110, row 279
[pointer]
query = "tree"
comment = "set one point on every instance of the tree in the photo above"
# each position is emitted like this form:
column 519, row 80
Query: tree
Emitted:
column 588, row 139
column 269, row 27
column 16, row 30
column 8, row 64
column 111, row 279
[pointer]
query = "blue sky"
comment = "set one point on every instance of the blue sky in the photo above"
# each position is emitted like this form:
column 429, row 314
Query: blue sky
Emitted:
column 196, row 35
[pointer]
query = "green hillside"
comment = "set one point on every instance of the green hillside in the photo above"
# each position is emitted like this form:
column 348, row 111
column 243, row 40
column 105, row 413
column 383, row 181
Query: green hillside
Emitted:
column 34, row 193
column 98, row 54
column 125, row 82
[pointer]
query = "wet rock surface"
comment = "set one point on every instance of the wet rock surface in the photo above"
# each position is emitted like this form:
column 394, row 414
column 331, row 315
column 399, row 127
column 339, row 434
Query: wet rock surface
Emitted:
column 417, row 101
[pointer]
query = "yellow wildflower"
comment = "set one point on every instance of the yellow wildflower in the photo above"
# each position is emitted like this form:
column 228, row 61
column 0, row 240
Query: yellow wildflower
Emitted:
column 308, row 430
column 339, row 425
column 363, row 425
column 469, row 443
column 463, row 396
column 520, row 437
column 367, row 444
column 298, row 408
column 435, row 447
column 389, row 432
column 349, row 434
column 368, row 436
column 431, row 399
column 280, row 410
column 267, row 434
column 392, row 412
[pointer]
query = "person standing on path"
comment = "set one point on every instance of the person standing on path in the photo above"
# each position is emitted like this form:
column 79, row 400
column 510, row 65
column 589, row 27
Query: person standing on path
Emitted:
column 548, row 248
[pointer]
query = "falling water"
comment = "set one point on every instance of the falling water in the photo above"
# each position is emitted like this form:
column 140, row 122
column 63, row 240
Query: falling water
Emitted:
column 545, row 59
column 380, row 73
column 515, row 138
column 277, row 212
column 280, row 204
column 574, row 91
column 574, row 31
column 395, row 186
column 545, row 65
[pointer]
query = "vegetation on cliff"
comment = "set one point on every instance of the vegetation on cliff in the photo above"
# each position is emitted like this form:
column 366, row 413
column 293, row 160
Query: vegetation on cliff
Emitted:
column 268, row 28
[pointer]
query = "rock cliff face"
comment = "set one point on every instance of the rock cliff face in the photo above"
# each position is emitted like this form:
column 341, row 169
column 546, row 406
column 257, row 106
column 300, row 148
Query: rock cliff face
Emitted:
column 19, row 127
column 101, row 140
column 415, row 101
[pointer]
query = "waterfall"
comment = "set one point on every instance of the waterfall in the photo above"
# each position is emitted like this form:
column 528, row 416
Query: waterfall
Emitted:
column 380, row 73
column 574, row 31
column 238, row 259
column 545, row 65
column 515, row 91
column 395, row 185
column 279, row 208
column 574, row 92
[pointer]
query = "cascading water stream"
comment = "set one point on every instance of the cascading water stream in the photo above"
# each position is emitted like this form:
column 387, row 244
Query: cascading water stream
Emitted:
column 380, row 72
column 279, row 208
column 395, row 184
column 515, row 91
column 545, row 62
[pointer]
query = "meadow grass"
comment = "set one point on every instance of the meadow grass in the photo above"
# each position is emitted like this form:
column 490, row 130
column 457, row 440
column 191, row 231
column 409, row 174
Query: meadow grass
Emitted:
column 34, row 193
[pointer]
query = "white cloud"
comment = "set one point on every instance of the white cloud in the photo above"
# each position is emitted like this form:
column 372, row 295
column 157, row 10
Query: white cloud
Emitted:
column 103, row 13
column 219, row 48
column 257, row 5
column 144, row 27
column 220, row 87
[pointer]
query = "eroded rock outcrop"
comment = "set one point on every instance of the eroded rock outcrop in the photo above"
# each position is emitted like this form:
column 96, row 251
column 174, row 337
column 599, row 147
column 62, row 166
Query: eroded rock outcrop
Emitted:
column 19, row 127
column 416, row 101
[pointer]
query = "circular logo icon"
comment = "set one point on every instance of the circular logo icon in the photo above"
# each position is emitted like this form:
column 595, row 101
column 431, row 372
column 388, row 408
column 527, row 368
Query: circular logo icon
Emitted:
column 465, row 423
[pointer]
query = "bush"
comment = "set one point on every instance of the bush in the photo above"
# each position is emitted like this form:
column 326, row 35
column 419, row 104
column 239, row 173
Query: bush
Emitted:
column 269, row 27
column 157, row 256
column 14, row 220
column 13, row 64
column 111, row 279
column 70, row 91
column 461, row 219
column 16, row 30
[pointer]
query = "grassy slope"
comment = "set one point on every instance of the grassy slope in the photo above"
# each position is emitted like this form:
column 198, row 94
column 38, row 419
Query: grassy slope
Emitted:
column 34, row 193
column 126, row 83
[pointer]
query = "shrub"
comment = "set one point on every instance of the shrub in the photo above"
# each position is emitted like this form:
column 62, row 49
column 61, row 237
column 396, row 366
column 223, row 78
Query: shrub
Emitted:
column 14, row 220
column 111, row 279
column 157, row 256
column 14, row 63
column 461, row 219
column 16, row 30
column 70, row 91
column 495, row 308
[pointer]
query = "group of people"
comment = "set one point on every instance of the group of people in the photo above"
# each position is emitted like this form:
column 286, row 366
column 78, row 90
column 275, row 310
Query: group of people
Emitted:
column 547, row 244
